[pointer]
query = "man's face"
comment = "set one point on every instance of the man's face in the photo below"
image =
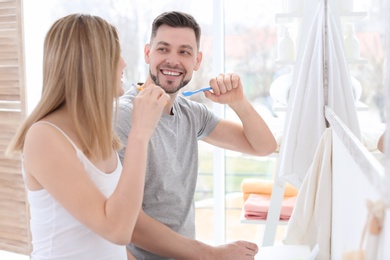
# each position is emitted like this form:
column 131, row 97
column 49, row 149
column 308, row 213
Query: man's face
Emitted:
column 172, row 57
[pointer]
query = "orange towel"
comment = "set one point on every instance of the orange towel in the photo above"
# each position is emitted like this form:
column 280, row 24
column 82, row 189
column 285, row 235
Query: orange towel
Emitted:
column 264, row 187
column 256, row 207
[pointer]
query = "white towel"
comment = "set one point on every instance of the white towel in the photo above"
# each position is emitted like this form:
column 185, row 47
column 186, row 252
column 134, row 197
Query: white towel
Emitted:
column 310, row 222
column 305, row 120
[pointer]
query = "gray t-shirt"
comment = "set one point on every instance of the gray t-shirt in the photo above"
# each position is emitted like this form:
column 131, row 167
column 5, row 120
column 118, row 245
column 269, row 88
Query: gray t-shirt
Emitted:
column 172, row 163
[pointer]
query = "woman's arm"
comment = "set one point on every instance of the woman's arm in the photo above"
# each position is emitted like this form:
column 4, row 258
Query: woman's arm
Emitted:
column 50, row 162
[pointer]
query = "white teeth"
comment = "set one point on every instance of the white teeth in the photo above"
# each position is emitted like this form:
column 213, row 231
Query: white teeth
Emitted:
column 171, row 73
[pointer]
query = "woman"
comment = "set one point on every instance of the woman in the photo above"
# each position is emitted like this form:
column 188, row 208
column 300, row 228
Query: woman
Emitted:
column 83, row 205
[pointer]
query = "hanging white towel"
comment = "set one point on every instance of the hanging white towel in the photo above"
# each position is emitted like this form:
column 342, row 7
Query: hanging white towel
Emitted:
column 310, row 222
column 305, row 120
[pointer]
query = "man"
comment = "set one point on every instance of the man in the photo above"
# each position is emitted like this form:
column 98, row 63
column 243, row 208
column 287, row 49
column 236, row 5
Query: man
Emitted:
column 166, row 224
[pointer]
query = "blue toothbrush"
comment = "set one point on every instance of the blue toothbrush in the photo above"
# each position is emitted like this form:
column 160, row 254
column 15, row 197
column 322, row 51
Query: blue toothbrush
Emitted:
column 189, row 93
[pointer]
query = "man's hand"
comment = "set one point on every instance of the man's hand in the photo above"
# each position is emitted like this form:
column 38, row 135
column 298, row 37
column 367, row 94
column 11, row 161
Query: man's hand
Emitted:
column 236, row 251
column 227, row 89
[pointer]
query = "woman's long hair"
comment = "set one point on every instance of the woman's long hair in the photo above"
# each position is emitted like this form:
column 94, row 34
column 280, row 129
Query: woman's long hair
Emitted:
column 81, row 55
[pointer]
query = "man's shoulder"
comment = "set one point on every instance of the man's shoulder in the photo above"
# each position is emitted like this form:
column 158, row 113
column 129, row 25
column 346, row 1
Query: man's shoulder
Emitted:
column 127, row 98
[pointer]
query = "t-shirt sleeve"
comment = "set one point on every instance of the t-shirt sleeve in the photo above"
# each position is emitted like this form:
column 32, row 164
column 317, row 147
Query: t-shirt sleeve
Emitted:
column 207, row 120
column 123, row 124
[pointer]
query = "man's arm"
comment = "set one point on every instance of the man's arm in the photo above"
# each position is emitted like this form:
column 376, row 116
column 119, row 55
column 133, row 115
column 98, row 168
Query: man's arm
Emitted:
column 253, row 135
column 159, row 239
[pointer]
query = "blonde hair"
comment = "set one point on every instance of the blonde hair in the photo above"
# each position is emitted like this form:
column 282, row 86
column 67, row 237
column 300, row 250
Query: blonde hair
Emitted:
column 81, row 55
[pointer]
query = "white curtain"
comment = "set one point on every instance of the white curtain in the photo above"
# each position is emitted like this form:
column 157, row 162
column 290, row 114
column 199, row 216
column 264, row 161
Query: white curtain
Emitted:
column 320, row 68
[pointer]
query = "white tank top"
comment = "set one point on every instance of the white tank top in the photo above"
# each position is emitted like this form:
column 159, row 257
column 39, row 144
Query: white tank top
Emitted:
column 58, row 235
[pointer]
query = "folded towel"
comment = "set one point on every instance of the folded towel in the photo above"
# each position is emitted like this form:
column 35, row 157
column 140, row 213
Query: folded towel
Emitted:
column 246, row 195
column 264, row 187
column 256, row 207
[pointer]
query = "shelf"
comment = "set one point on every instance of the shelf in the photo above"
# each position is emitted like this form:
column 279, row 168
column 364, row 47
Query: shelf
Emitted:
column 286, row 252
column 292, row 17
column 287, row 17
column 284, row 62
column 291, row 62
column 352, row 16
column 357, row 61
column 360, row 106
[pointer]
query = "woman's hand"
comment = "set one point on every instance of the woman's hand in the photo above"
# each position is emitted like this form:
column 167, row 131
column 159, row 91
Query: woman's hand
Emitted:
column 147, row 110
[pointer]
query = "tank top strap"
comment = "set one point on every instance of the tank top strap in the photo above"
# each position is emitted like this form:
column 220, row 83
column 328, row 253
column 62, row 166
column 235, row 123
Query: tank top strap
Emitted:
column 61, row 131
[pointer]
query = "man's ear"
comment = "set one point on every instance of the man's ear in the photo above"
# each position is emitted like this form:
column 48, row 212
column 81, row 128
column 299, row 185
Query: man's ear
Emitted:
column 199, row 57
column 146, row 53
